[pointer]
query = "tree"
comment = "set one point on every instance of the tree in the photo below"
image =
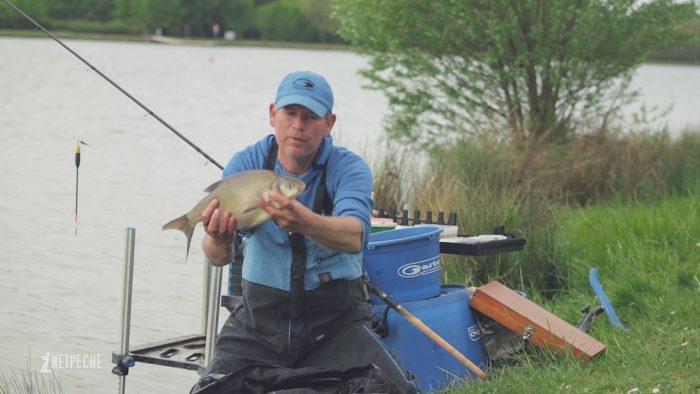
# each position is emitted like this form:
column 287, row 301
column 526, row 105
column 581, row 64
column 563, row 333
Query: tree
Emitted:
column 38, row 9
column 93, row 10
column 318, row 14
column 133, row 13
column 283, row 20
column 531, row 67
column 167, row 15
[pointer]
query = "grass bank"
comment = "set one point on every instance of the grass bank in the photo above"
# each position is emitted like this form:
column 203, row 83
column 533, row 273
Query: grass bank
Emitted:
column 649, row 258
column 626, row 203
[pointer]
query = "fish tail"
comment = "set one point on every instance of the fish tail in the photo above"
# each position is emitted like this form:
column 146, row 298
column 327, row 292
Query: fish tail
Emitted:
column 183, row 224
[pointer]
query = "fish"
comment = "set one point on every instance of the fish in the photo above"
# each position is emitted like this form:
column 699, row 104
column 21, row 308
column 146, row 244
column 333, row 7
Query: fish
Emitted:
column 240, row 194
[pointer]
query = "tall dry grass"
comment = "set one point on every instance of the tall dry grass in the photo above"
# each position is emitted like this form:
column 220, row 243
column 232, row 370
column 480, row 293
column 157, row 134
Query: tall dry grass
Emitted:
column 522, row 185
column 29, row 381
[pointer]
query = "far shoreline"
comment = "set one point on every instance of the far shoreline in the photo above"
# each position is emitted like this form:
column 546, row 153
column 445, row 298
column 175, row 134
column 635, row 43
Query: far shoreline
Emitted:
column 181, row 41
column 72, row 35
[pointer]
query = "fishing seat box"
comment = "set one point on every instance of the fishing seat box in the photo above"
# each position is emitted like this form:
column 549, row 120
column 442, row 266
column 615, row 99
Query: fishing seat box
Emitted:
column 540, row 327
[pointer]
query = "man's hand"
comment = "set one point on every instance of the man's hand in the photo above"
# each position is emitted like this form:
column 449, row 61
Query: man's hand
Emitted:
column 289, row 214
column 340, row 234
column 221, row 232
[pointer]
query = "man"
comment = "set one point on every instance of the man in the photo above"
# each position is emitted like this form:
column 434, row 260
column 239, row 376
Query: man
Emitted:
column 303, row 318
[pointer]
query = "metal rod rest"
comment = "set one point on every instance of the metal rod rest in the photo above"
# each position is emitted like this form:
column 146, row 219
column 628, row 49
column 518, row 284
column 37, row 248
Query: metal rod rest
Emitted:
column 212, row 314
column 126, row 298
column 205, row 294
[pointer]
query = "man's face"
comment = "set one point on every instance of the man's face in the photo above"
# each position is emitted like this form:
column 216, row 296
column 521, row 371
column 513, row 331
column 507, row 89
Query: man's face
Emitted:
column 299, row 133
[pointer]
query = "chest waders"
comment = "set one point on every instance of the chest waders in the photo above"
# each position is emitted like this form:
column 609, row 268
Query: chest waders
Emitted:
column 297, row 297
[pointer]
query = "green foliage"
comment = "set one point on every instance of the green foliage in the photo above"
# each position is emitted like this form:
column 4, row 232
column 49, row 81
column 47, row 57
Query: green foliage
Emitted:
column 37, row 9
column 230, row 15
column 281, row 20
column 167, row 15
column 318, row 14
column 94, row 10
column 533, row 67
column 85, row 26
column 133, row 13
column 297, row 20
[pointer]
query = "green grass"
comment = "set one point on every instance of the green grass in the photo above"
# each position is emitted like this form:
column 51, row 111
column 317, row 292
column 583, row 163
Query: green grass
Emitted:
column 648, row 255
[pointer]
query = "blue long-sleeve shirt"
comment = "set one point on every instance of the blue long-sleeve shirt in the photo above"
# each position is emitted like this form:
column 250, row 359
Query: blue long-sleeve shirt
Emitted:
column 268, row 255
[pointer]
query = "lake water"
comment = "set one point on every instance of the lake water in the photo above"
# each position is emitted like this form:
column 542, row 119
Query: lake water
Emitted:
column 61, row 293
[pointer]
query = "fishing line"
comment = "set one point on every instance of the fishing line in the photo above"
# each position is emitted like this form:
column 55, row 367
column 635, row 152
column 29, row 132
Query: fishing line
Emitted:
column 77, row 167
column 158, row 118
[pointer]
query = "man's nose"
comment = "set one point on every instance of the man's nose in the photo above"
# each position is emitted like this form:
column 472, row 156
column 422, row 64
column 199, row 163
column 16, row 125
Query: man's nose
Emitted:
column 299, row 121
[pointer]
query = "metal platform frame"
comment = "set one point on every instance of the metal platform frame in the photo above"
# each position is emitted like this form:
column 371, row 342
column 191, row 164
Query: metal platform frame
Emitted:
column 189, row 352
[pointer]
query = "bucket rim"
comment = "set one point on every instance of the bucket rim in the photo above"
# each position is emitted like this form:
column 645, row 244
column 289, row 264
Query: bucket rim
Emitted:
column 430, row 233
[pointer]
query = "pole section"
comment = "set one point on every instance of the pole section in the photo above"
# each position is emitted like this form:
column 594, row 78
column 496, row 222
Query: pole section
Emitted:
column 426, row 330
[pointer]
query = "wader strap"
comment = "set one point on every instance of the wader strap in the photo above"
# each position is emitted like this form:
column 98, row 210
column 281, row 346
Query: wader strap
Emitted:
column 297, row 294
column 322, row 203
column 272, row 157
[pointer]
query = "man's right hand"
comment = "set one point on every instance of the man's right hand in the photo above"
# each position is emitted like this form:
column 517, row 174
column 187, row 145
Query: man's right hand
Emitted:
column 220, row 227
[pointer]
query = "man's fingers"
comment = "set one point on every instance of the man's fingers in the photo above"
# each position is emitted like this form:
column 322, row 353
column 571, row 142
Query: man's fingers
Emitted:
column 213, row 223
column 224, row 222
column 209, row 210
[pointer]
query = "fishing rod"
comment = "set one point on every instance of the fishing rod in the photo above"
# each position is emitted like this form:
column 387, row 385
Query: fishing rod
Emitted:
column 158, row 118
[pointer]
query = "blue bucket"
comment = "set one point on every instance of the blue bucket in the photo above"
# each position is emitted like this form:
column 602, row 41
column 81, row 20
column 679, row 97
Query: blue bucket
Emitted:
column 450, row 316
column 405, row 263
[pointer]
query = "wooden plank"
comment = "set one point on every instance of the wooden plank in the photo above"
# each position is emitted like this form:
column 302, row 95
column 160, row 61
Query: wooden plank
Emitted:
column 521, row 315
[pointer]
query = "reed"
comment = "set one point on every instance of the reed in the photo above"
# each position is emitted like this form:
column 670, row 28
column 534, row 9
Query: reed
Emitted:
column 29, row 381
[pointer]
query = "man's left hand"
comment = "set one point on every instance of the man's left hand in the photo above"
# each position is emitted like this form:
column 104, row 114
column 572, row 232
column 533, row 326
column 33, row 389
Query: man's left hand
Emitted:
column 289, row 214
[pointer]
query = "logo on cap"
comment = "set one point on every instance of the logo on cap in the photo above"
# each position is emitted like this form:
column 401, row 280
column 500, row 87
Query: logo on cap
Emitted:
column 303, row 83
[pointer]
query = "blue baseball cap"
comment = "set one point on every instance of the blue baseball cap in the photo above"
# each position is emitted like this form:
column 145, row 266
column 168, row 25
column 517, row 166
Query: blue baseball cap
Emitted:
column 308, row 89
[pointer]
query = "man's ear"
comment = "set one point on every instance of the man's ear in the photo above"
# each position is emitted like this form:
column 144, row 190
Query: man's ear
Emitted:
column 330, row 120
column 272, row 110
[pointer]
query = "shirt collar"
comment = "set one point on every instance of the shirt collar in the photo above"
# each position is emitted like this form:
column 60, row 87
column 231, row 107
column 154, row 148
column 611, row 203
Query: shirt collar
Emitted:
column 319, row 163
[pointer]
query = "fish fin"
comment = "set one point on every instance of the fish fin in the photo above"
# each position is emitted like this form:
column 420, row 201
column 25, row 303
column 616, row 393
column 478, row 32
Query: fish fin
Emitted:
column 183, row 224
column 213, row 186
